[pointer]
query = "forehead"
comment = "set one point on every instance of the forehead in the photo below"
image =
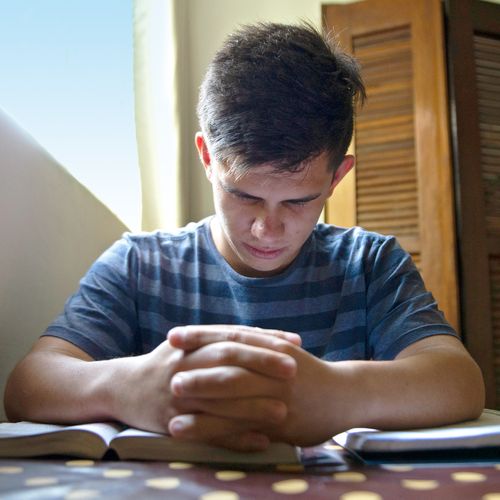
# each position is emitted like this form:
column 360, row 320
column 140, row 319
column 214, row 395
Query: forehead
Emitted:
column 313, row 171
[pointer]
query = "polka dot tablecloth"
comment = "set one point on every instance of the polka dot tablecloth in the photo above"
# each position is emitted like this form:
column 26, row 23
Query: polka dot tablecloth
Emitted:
column 86, row 479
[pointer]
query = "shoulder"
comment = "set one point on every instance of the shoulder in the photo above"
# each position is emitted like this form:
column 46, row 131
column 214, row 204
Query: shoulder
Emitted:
column 352, row 239
column 166, row 242
column 142, row 250
column 358, row 249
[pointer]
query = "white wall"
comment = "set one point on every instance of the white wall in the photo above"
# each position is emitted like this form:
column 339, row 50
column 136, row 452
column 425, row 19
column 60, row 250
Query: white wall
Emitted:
column 52, row 229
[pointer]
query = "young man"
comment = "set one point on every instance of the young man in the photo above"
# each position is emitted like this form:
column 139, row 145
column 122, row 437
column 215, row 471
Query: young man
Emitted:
column 256, row 324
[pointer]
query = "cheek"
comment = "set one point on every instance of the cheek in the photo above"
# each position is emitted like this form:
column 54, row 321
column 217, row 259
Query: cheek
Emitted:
column 222, row 203
column 301, row 225
column 309, row 217
column 232, row 215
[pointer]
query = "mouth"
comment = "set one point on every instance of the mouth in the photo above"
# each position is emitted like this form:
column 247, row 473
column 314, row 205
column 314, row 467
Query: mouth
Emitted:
column 264, row 253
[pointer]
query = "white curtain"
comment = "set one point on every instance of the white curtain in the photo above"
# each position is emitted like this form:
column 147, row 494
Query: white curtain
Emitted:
column 157, row 109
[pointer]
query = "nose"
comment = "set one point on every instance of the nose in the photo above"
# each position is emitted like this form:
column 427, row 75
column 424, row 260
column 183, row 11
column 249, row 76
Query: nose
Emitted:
column 268, row 226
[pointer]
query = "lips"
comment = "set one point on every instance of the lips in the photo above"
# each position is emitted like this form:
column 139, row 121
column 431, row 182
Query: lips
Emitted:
column 264, row 253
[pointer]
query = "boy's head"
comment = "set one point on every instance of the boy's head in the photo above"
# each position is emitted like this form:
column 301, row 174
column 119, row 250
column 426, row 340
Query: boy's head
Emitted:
column 278, row 94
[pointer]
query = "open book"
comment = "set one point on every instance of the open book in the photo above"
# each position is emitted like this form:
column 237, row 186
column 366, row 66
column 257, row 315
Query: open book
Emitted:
column 474, row 440
column 27, row 439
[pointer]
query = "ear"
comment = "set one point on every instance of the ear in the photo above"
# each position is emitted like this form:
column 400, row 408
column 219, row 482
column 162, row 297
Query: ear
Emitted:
column 342, row 171
column 204, row 153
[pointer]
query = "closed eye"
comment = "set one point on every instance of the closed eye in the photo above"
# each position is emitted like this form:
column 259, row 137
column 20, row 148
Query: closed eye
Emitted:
column 246, row 197
column 240, row 194
column 298, row 203
column 303, row 201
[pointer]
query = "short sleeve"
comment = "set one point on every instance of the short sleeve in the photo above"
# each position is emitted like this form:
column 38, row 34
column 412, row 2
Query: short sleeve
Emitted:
column 100, row 318
column 400, row 311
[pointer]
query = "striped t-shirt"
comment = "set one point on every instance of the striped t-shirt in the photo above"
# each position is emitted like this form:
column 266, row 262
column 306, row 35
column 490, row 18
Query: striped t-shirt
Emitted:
column 350, row 294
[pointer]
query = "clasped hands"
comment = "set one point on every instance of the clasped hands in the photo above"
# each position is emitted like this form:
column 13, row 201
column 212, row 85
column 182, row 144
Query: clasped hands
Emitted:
column 234, row 386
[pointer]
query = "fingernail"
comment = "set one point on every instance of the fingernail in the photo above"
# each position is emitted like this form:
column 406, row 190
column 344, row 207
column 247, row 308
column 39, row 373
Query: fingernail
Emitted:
column 176, row 384
column 176, row 426
column 280, row 412
column 289, row 364
column 178, row 331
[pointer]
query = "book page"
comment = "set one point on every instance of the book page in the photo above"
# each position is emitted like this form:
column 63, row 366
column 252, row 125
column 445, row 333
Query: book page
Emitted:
column 28, row 439
column 24, row 429
column 132, row 432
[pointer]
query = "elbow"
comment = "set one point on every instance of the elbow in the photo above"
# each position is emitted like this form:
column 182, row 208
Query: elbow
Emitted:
column 480, row 400
column 17, row 398
column 473, row 393
column 9, row 404
column 12, row 401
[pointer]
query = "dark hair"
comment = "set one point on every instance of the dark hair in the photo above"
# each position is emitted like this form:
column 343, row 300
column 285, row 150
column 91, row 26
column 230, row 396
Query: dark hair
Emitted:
column 281, row 95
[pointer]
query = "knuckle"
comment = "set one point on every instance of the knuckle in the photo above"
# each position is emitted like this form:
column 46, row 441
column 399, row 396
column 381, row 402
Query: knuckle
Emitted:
column 186, row 383
column 231, row 336
column 281, row 345
column 223, row 376
column 270, row 359
column 225, row 352
column 234, row 336
column 176, row 358
column 194, row 384
column 278, row 411
column 208, row 381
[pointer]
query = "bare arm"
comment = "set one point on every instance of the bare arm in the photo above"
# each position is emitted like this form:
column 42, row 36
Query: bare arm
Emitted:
column 432, row 382
column 235, row 386
column 52, row 382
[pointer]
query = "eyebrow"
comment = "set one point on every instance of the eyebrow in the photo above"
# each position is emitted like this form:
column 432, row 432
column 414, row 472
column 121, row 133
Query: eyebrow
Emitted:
column 232, row 190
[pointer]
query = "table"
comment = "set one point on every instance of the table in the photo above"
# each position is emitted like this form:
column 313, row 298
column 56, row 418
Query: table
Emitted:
column 23, row 479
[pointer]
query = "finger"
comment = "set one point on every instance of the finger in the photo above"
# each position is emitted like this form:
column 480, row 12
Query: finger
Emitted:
column 266, row 411
column 232, row 434
column 261, row 360
column 193, row 336
column 226, row 382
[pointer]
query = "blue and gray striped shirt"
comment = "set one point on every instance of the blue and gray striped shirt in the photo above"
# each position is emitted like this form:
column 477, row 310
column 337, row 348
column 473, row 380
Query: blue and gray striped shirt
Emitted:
column 350, row 294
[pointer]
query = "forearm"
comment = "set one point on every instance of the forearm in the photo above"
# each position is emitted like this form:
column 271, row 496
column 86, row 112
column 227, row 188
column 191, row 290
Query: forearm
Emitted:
column 427, row 388
column 58, row 382
column 433, row 382
column 51, row 387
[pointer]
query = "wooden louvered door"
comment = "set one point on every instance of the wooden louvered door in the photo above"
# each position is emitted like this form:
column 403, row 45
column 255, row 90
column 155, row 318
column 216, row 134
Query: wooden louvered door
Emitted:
column 474, row 76
column 386, row 177
column 402, row 183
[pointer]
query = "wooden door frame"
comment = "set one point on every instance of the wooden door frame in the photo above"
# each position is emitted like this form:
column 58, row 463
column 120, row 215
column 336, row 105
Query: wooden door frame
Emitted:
column 464, row 18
